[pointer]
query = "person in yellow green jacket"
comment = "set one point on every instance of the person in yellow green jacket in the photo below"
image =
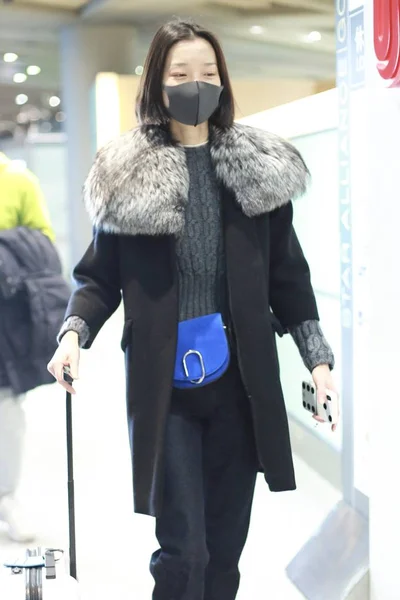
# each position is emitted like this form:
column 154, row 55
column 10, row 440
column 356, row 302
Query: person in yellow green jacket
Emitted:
column 21, row 199
column 22, row 204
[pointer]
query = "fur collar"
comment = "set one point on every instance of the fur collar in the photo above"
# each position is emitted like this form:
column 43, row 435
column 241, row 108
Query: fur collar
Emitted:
column 139, row 182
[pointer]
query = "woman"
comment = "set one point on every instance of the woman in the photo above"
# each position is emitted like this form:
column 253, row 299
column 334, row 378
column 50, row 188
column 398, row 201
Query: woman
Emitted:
column 33, row 298
column 193, row 221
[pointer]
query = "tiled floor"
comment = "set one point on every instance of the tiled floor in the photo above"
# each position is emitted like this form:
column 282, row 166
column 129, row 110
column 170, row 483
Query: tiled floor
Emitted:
column 114, row 545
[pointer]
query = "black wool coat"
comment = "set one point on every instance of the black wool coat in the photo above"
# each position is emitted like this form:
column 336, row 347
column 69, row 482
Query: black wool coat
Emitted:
column 136, row 194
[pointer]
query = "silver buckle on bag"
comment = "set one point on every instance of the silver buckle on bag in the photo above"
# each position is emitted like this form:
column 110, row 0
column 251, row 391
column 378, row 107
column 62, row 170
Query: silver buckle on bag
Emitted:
column 203, row 370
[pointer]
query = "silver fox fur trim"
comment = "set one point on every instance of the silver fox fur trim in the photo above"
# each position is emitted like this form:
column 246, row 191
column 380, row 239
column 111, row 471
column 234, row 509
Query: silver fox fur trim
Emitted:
column 139, row 182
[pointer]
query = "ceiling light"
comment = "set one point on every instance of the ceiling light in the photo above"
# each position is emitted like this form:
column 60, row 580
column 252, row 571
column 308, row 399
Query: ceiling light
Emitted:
column 22, row 118
column 10, row 57
column 60, row 117
column 313, row 37
column 139, row 70
column 21, row 99
column 34, row 114
column 20, row 78
column 256, row 30
column 54, row 101
column 33, row 70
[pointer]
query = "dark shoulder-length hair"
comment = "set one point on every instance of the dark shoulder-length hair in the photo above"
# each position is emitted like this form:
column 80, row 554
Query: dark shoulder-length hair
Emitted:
column 150, row 108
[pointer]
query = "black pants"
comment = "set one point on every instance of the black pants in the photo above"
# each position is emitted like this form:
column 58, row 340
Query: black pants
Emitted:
column 210, row 475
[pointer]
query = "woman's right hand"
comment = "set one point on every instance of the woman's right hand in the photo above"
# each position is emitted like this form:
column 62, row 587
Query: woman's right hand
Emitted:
column 66, row 355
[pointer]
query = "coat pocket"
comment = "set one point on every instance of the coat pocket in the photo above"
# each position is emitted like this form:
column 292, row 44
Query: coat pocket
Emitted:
column 276, row 325
column 126, row 334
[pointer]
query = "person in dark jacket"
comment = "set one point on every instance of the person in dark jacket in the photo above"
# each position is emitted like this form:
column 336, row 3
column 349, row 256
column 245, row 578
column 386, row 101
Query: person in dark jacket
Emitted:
column 33, row 299
column 193, row 223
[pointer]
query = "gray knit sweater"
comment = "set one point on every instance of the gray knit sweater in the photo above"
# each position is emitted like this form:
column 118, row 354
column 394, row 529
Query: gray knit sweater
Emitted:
column 201, row 262
column 200, row 248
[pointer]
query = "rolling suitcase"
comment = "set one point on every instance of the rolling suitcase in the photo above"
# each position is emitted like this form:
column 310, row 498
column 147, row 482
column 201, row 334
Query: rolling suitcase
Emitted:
column 40, row 573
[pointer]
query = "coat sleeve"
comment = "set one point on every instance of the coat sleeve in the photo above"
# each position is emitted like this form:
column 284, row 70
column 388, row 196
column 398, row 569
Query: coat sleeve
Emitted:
column 98, row 292
column 292, row 297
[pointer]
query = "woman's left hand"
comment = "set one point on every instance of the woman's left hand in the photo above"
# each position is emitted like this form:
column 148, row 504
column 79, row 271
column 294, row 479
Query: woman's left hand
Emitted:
column 323, row 380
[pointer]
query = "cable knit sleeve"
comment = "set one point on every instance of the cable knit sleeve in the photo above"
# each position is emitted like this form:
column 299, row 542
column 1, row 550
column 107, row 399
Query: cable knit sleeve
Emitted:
column 75, row 324
column 313, row 347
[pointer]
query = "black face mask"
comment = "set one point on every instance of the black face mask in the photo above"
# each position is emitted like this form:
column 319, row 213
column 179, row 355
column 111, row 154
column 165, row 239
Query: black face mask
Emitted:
column 194, row 102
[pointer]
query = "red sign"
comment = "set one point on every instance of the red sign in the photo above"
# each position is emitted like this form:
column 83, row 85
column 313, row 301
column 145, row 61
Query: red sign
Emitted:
column 387, row 39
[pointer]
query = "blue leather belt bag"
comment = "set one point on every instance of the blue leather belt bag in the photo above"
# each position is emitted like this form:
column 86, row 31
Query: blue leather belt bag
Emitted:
column 202, row 352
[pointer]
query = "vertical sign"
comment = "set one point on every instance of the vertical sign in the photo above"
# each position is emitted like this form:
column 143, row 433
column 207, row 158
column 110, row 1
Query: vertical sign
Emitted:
column 346, row 250
column 360, row 269
column 350, row 55
column 357, row 48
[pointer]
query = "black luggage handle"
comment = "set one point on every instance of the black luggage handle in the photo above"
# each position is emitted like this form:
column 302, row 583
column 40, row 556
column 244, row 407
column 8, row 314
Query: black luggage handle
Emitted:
column 71, row 484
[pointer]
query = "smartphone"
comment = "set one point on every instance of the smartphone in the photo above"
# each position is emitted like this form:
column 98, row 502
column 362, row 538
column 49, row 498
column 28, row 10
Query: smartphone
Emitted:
column 329, row 411
column 309, row 397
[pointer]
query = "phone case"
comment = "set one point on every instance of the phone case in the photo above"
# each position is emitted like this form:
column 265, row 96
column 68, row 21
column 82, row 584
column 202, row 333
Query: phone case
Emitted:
column 329, row 411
